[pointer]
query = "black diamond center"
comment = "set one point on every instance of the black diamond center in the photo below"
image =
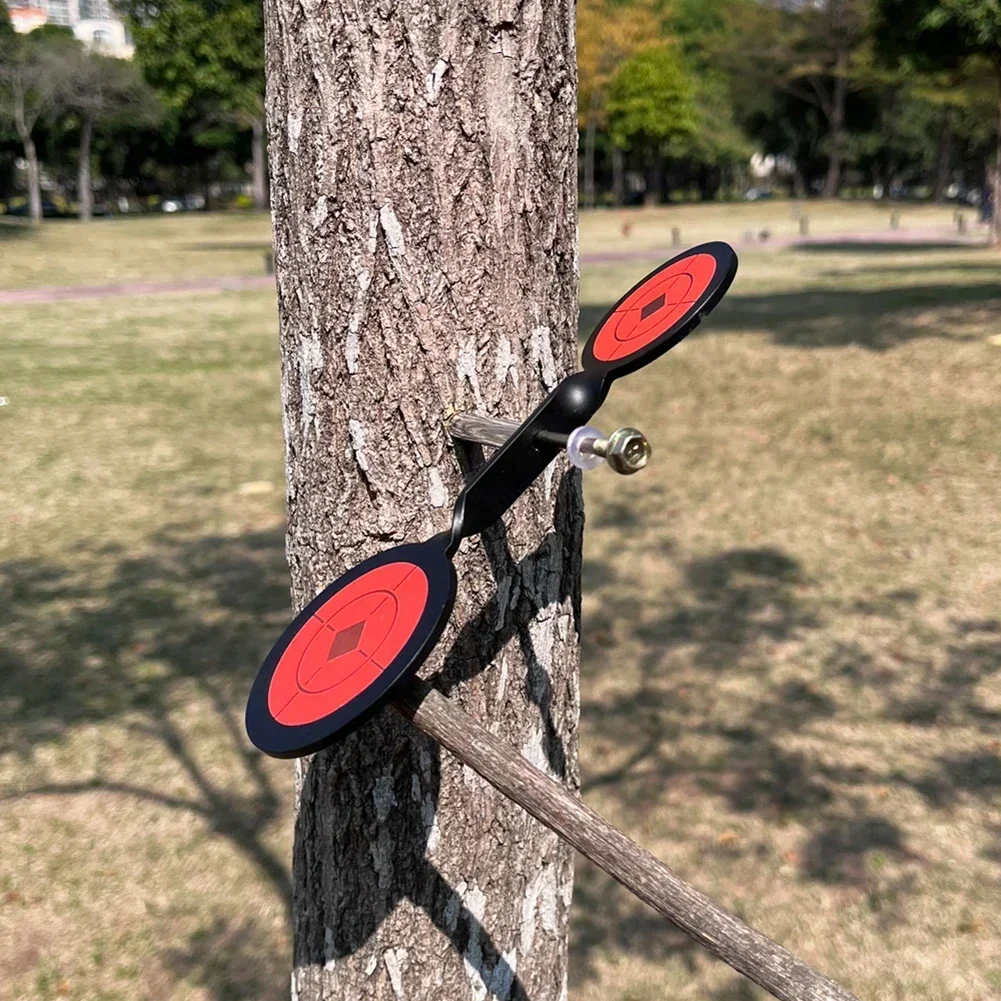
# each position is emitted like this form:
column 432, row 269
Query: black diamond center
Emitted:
column 346, row 640
column 651, row 307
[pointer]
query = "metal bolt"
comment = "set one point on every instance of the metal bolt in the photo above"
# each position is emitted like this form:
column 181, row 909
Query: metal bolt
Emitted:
column 627, row 450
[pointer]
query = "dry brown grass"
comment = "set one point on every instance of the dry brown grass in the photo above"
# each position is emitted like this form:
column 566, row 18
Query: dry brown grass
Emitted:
column 792, row 625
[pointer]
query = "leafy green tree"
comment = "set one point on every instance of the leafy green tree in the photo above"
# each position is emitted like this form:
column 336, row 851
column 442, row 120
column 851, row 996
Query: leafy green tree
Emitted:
column 651, row 109
column 30, row 71
column 99, row 91
column 948, row 34
column 813, row 53
column 6, row 25
column 205, row 60
column 607, row 34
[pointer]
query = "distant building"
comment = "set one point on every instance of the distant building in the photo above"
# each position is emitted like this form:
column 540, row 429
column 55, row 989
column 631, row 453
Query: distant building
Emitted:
column 94, row 22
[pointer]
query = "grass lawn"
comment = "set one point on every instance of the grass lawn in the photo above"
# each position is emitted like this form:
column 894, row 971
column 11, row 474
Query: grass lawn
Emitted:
column 792, row 620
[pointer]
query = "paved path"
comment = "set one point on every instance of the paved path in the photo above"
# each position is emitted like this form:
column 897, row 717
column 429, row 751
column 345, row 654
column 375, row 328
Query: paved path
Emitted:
column 59, row 293
column 935, row 236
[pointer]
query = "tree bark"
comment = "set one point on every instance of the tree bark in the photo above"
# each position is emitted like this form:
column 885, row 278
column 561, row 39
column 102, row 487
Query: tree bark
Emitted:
column 832, row 182
column 84, row 194
column 423, row 167
column 259, row 181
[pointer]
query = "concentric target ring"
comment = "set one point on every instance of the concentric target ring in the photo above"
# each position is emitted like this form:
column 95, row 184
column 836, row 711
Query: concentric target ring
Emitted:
column 338, row 661
column 661, row 310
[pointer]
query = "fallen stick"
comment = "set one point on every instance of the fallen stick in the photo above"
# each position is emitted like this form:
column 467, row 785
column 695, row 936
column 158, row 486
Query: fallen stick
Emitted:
column 749, row 952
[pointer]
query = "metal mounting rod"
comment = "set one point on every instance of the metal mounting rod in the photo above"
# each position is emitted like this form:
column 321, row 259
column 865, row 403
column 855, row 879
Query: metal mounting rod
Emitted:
column 749, row 952
column 626, row 450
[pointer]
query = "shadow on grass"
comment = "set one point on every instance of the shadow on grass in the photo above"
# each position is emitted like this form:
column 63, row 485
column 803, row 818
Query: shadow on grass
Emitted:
column 608, row 917
column 877, row 320
column 195, row 618
column 11, row 229
column 205, row 611
column 676, row 742
column 877, row 246
column 261, row 246
column 234, row 961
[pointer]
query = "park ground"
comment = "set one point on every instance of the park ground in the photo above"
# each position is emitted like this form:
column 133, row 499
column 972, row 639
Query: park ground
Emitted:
column 791, row 676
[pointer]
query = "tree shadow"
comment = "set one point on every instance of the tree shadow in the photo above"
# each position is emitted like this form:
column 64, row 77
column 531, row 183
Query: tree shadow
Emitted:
column 233, row 961
column 260, row 246
column 722, row 620
column 862, row 245
column 608, row 917
column 133, row 639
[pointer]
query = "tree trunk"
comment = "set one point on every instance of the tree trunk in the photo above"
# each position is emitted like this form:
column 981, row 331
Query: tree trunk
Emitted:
column 832, row 182
column 590, row 135
column 654, row 194
column 258, row 153
column 424, row 189
column 83, row 189
column 34, row 180
column 618, row 177
column 996, row 223
column 943, row 169
column 34, row 170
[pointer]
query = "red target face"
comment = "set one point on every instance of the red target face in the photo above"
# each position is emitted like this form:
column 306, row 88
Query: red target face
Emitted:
column 347, row 643
column 653, row 308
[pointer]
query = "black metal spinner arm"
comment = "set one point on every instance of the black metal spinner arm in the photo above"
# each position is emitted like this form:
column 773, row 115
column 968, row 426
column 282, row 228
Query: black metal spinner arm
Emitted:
column 514, row 467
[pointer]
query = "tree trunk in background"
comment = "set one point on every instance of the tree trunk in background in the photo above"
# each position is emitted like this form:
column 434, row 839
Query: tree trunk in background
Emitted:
column 943, row 169
column 423, row 167
column 654, row 194
column 84, row 194
column 996, row 225
column 618, row 177
column 34, row 180
column 832, row 182
column 34, row 172
column 590, row 135
column 259, row 181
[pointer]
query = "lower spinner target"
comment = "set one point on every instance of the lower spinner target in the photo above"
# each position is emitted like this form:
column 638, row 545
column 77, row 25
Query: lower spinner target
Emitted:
column 661, row 310
column 337, row 662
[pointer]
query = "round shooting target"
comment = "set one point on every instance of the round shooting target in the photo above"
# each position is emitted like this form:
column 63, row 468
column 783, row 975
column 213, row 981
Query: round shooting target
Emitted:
column 661, row 310
column 349, row 646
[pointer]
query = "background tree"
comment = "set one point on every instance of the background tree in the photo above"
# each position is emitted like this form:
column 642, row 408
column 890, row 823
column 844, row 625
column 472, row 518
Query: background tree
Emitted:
column 205, row 60
column 948, row 34
column 651, row 110
column 99, row 90
column 30, row 71
column 809, row 52
column 607, row 34
column 422, row 165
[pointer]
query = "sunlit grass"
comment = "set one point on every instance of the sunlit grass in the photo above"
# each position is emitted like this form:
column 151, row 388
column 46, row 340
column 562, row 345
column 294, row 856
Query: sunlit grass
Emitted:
column 792, row 625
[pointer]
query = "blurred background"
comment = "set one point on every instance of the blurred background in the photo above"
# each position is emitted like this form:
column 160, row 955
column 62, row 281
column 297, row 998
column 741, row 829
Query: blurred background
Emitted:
column 792, row 644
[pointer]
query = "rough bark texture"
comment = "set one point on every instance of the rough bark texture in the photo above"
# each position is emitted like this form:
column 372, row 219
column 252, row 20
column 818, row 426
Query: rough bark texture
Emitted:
column 423, row 167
